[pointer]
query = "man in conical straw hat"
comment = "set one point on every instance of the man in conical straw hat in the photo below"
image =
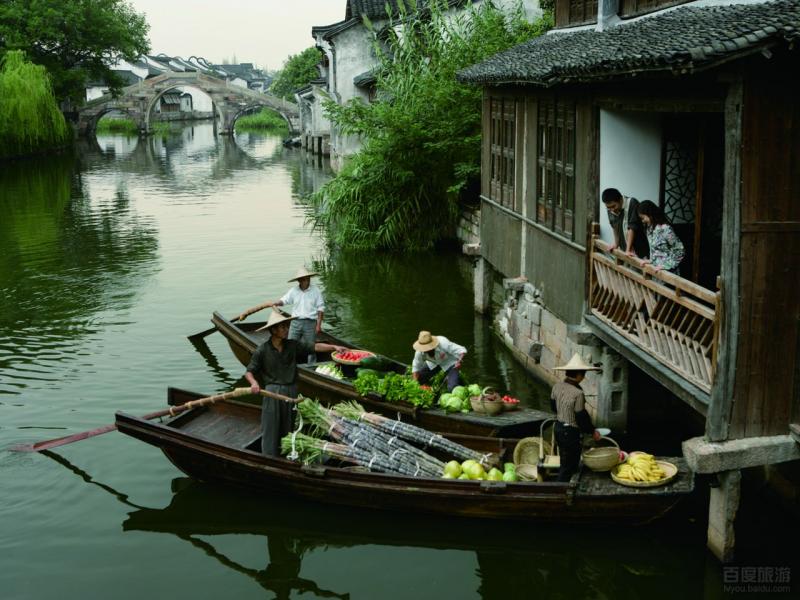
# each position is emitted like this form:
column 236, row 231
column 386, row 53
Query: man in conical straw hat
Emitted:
column 273, row 367
column 435, row 353
column 569, row 404
column 308, row 309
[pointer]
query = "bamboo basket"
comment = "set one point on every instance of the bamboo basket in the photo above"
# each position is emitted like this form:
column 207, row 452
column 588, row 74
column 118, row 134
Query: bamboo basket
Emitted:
column 527, row 450
column 546, row 460
column 488, row 403
column 602, row 459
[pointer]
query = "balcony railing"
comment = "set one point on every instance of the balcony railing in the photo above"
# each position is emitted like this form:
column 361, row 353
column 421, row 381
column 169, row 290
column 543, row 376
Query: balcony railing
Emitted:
column 670, row 318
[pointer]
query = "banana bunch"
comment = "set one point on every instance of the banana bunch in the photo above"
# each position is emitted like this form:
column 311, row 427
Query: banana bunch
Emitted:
column 640, row 467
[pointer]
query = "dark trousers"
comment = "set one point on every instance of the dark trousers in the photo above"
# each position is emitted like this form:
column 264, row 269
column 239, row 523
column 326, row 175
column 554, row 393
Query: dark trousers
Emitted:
column 451, row 377
column 568, row 439
column 277, row 418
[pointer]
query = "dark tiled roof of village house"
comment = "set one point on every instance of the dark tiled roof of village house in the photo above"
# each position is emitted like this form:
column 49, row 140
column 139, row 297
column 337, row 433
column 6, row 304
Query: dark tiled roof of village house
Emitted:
column 373, row 9
column 688, row 38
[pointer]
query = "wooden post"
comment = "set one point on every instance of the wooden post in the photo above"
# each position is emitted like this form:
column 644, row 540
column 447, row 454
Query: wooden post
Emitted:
column 722, row 507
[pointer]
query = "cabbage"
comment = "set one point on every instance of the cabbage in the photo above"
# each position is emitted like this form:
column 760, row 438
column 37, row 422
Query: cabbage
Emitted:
column 452, row 469
column 460, row 391
column 450, row 402
column 494, row 475
column 510, row 476
column 474, row 390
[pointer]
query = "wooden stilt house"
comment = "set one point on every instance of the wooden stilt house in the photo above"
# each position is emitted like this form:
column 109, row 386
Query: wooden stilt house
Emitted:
column 692, row 105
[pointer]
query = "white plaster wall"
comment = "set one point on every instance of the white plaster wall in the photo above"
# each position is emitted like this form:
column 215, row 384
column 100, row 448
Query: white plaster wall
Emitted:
column 630, row 158
column 201, row 101
column 95, row 92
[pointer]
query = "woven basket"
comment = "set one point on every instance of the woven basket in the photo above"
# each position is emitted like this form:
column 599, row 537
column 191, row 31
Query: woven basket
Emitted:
column 488, row 403
column 527, row 472
column 526, row 452
column 602, row 459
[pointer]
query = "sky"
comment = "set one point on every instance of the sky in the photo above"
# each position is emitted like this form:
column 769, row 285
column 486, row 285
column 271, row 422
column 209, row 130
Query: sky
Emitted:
column 264, row 32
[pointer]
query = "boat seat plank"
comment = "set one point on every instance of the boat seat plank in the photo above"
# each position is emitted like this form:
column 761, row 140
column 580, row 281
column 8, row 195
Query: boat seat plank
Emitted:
column 237, row 430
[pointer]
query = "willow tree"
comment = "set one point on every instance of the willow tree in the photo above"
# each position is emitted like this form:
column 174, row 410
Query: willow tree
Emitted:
column 421, row 138
column 30, row 120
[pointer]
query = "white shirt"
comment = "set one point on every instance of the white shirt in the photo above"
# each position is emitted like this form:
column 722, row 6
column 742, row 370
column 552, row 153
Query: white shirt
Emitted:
column 445, row 355
column 305, row 303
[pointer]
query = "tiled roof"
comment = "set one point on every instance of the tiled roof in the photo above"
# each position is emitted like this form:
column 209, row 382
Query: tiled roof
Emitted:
column 684, row 39
column 373, row 9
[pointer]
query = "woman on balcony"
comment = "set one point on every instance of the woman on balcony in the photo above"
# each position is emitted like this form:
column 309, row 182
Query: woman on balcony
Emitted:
column 666, row 248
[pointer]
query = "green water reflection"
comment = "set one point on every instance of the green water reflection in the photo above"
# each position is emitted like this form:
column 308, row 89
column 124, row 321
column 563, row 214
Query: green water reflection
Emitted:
column 109, row 258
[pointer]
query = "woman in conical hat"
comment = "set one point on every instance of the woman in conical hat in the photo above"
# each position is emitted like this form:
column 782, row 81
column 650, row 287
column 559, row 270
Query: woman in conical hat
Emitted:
column 435, row 353
column 308, row 308
column 568, row 402
column 273, row 367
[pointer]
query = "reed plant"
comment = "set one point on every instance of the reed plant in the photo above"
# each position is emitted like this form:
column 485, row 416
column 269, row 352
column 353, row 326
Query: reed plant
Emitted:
column 30, row 120
column 117, row 125
column 265, row 120
column 422, row 136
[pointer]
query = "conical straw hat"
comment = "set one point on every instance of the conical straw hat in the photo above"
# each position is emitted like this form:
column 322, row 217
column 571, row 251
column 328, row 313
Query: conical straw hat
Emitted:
column 274, row 318
column 425, row 341
column 302, row 272
column 576, row 363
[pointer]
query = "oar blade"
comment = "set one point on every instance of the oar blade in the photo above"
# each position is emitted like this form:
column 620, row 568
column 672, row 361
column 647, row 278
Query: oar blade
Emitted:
column 62, row 441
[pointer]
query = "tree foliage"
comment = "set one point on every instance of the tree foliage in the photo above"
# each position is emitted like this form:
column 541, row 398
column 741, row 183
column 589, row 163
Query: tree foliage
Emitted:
column 422, row 136
column 298, row 70
column 30, row 120
column 75, row 40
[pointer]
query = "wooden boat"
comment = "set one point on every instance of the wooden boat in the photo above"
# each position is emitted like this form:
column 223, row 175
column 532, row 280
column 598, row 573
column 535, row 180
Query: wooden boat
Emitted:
column 244, row 339
column 219, row 443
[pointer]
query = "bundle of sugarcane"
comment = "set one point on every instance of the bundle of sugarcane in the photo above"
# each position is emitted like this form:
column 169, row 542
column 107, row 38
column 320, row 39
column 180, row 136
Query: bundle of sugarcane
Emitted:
column 310, row 449
column 414, row 434
column 374, row 441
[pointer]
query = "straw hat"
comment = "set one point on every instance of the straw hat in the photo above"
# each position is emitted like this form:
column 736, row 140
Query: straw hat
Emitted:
column 576, row 363
column 425, row 342
column 302, row 272
column 275, row 318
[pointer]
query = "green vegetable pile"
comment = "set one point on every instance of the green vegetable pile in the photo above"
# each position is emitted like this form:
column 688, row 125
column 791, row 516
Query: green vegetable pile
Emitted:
column 458, row 399
column 394, row 387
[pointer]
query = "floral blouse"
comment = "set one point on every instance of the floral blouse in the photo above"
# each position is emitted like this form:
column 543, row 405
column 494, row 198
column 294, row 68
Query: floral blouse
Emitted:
column 666, row 249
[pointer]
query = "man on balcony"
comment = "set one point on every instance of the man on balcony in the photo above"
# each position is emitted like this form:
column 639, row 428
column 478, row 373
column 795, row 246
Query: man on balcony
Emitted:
column 568, row 402
column 623, row 216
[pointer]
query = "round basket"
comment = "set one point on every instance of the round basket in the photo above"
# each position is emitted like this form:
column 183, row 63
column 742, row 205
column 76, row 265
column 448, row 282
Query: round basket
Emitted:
column 485, row 406
column 526, row 452
column 670, row 471
column 602, row 459
column 336, row 358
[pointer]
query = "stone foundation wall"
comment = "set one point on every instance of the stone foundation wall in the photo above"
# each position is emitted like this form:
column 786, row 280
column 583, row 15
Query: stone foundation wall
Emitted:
column 541, row 341
column 469, row 225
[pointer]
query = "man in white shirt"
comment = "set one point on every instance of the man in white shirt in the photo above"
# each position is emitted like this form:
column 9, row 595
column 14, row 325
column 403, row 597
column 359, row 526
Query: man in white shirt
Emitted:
column 434, row 353
column 308, row 309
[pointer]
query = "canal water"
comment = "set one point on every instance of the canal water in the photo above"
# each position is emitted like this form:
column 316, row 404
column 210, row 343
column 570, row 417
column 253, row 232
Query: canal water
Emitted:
column 109, row 258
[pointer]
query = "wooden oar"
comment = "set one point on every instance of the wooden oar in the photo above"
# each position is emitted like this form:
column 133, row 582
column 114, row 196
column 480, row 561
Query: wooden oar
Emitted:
column 199, row 336
column 172, row 411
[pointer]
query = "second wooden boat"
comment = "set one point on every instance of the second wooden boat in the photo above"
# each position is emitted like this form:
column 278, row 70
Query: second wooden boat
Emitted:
column 244, row 338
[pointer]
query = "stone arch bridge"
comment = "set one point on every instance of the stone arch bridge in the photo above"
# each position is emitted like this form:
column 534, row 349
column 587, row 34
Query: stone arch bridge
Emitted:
column 230, row 102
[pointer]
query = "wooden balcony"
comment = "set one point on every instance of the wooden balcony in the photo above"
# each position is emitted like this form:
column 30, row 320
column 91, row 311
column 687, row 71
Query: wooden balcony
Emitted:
column 670, row 318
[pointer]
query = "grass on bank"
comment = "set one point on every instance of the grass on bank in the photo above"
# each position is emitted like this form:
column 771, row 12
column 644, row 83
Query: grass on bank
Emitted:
column 265, row 120
column 125, row 126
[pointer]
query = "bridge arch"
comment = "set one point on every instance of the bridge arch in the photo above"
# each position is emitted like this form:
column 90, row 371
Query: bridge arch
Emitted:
column 230, row 102
column 254, row 108
column 144, row 126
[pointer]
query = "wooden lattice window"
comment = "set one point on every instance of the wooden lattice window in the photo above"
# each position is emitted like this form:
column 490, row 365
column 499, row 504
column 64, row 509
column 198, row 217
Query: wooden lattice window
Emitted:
column 632, row 8
column 555, row 160
column 582, row 11
column 503, row 135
